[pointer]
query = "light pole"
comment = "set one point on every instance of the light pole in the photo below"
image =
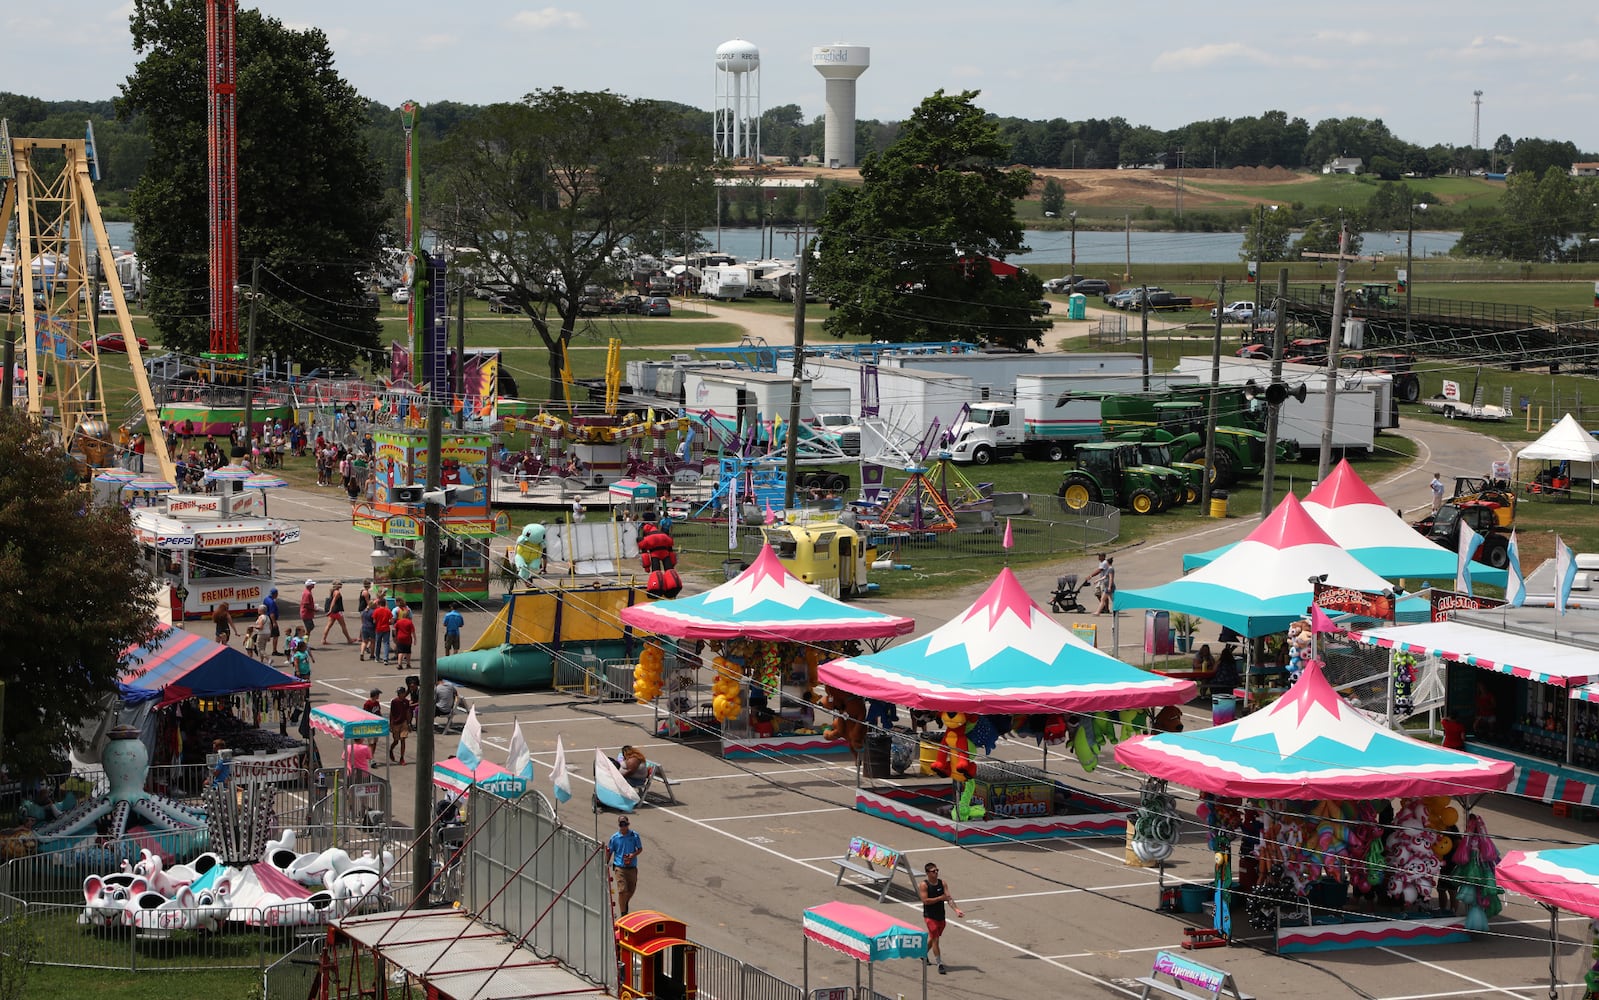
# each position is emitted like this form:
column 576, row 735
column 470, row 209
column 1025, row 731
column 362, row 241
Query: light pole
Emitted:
column 1073, row 269
column 1410, row 248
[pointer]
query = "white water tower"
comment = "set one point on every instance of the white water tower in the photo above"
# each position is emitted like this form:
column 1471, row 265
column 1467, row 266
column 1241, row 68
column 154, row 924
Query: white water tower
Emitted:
column 738, row 101
column 840, row 65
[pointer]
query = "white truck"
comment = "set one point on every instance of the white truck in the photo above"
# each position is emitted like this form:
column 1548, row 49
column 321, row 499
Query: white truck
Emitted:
column 1038, row 427
column 725, row 282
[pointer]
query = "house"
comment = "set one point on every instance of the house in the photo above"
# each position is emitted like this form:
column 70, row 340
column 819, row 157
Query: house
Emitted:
column 1585, row 170
column 1343, row 165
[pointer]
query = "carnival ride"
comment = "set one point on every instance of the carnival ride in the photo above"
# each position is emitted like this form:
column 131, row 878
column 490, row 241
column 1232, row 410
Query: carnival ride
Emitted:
column 47, row 190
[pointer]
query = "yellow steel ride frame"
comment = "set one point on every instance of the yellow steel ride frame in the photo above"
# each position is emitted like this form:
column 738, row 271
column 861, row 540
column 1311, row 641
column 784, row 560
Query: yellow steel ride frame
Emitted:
column 52, row 200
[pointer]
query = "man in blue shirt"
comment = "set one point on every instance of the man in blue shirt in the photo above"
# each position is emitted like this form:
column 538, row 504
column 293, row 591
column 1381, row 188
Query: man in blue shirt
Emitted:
column 269, row 604
column 452, row 631
column 624, row 847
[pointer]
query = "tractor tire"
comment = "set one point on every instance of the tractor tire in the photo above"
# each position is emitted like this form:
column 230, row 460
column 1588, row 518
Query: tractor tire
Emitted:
column 1055, row 452
column 982, row 455
column 1190, row 495
column 1495, row 552
column 1197, row 457
column 1144, row 502
column 1408, row 387
column 1078, row 491
column 1226, row 469
column 837, row 482
column 1449, row 413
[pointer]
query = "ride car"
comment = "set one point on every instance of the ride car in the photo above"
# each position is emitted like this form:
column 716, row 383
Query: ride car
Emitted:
column 112, row 343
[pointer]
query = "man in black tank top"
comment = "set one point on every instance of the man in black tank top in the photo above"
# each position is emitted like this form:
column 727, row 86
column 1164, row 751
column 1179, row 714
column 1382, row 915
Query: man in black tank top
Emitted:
column 935, row 894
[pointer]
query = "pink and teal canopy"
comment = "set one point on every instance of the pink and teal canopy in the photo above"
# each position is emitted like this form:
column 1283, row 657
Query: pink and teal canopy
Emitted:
column 348, row 722
column 1311, row 744
column 1360, row 522
column 1004, row 654
column 1567, row 877
column 456, row 776
column 765, row 602
column 115, row 477
column 1262, row 584
column 228, row 474
column 863, row 933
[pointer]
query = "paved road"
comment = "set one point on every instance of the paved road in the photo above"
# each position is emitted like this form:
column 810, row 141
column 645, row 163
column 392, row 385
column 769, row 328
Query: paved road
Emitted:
column 750, row 845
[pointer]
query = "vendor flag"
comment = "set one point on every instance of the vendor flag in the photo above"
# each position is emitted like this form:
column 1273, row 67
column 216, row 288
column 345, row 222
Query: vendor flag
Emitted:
column 517, row 759
column 1469, row 540
column 1515, row 584
column 1319, row 622
column 1565, row 573
column 558, row 774
column 1010, row 541
column 610, row 787
column 470, row 750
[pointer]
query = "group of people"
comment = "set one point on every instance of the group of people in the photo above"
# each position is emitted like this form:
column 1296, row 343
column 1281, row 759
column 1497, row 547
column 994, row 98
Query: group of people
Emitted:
column 405, row 708
column 388, row 634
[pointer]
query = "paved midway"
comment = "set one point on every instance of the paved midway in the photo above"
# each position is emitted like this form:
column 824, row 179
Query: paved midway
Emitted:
column 750, row 844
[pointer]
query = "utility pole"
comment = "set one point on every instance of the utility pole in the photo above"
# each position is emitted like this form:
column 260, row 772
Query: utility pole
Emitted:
column 460, row 357
column 1073, row 271
column 1210, row 413
column 791, row 450
column 432, row 538
column 1268, row 484
column 1335, row 337
column 249, row 353
column 1144, row 338
column 1127, row 221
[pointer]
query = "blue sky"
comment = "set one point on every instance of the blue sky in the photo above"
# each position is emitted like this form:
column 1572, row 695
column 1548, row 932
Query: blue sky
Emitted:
column 1151, row 62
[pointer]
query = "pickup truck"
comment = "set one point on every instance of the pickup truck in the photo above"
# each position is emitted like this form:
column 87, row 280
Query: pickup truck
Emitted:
column 1159, row 299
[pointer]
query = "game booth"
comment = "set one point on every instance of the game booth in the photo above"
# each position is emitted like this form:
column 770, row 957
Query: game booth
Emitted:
column 1560, row 879
column 769, row 631
column 864, row 934
column 1003, row 666
column 1326, row 860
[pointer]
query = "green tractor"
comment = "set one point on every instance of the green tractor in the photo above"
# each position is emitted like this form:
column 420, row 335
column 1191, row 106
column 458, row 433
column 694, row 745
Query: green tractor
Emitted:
column 1110, row 472
column 1152, row 453
column 1374, row 295
column 1180, row 426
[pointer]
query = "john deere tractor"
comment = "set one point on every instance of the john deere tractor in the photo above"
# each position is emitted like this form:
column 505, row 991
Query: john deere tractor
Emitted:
column 1110, row 472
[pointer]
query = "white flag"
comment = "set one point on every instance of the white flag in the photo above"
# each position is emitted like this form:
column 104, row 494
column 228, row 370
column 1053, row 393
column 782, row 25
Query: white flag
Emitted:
column 517, row 759
column 1565, row 573
column 1469, row 540
column 1515, row 584
column 558, row 775
column 470, row 750
column 610, row 787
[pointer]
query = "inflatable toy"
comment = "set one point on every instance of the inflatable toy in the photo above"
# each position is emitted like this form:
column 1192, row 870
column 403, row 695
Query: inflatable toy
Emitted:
column 530, row 551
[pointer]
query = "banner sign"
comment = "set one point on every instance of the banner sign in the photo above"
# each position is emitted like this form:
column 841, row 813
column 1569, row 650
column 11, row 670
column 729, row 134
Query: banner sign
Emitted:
column 1446, row 601
column 1354, row 602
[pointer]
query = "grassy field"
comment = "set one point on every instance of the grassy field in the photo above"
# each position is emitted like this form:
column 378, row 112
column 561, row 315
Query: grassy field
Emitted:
column 53, row 983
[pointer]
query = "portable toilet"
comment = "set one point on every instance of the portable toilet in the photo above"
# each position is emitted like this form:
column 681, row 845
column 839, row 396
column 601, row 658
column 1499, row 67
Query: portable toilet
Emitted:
column 1077, row 306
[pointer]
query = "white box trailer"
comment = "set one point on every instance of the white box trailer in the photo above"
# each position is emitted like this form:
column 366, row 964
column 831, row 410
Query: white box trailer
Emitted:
column 1356, row 416
column 909, row 400
column 993, row 376
column 725, row 281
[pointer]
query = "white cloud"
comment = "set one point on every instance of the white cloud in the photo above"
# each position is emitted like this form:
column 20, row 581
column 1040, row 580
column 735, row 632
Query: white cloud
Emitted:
column 967, row 72
column 434, row 43
column 1225, row 54
column 120, row 14
column 547, row 18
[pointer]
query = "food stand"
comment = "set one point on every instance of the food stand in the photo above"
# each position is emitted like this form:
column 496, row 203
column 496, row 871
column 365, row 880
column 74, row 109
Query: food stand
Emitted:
column 865, row 935
column 1003, row 656
column 769, row 628
column 208, row 553
column 1296, row 764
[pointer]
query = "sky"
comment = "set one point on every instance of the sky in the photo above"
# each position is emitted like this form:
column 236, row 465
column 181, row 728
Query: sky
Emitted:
column 1161, row 63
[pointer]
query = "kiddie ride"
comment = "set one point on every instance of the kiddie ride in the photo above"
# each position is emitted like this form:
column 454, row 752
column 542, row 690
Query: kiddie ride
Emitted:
column 1491, row 513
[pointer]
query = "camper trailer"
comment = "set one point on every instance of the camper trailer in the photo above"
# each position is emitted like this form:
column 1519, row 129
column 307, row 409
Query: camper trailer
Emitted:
column 724, row 281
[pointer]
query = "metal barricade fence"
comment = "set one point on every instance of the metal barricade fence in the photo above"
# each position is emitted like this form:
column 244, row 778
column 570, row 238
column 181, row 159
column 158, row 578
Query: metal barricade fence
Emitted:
column 723, row 977
column 762, row 985
column 291, row 976
column 586, row 675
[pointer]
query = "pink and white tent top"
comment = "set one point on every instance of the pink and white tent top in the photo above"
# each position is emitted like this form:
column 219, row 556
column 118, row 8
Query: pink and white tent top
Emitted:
column 863, row 933
column 1262, row 584
column 347, row 722
column 1565, row 877
column 1311, row 744
column 1004, row 654
column 766, row 602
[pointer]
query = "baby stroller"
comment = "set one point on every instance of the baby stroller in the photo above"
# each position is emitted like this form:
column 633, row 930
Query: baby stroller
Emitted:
column 1064, row 600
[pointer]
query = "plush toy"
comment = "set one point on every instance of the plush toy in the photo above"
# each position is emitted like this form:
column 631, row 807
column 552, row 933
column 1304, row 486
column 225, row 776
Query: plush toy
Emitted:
column 657, row 554
column 647, row 675
column 965, row 810
column 726, row 702
column 1155, row 823
column 955, row 759
column 1412, row 866
column 1300, row 646
column 849, row 715
column 1404, row 670
column 1476, row 887
column 530, row 551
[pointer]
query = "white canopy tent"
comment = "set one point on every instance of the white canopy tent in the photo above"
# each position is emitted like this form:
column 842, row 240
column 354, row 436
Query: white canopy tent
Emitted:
column 1566, row 441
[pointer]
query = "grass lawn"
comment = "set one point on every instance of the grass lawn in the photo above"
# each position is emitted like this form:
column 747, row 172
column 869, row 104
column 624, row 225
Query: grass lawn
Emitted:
column 54, row 983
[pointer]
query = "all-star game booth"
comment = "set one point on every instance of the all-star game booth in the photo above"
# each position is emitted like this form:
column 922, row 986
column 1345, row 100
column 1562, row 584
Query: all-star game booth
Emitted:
column 770, row 631
column 1005, row 665
column 1327, row 861
column 865, row 935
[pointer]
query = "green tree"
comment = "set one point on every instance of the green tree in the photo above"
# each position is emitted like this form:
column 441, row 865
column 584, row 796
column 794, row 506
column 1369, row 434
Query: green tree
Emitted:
column 906, row 255
column 72, row 598
column 310, row 206
column 549, row 189
column 1266, row 239
column 1053, row 199
column 1537, row 156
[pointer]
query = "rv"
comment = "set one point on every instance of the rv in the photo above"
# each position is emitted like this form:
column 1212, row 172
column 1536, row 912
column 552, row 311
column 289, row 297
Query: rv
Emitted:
column 724, row 281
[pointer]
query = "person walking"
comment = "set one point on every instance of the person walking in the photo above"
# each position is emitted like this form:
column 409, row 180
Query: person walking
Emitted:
column 382, row 617
column 308, row 608
column 404, row 636
column 222, row 618
column 624, row 847
column 452, row 631
column 270, row 607
column 399, row 724
column 335, row 612
column 935, row 893
column 369, row 633
column 1437, row 487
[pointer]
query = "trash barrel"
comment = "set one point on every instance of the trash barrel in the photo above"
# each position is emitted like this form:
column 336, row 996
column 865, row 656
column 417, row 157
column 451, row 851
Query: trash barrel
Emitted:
column 1223, row 709
column 1077, row 306
column 1194, row 896
column 879, row 755
column 1218, row 503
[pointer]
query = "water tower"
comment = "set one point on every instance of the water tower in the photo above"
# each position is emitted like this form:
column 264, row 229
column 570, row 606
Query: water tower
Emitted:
column 840, row 65
column 738, row 101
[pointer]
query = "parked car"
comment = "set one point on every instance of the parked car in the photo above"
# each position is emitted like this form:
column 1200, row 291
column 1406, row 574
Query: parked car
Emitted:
column 657, row 305
column 1063, row 284
column 330, row 373
column 631, row 304
column 1091, row 286
column 501, row 304
column 401, row 295
column 112, row 343
column 108, row 301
